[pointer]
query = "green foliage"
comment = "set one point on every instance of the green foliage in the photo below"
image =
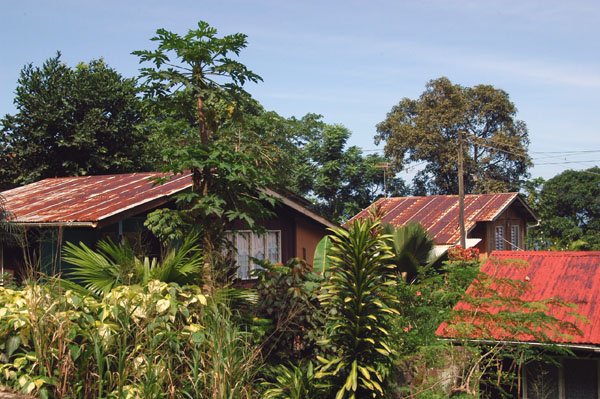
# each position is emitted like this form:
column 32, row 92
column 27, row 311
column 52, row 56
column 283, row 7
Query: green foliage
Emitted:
column 321, row 262
column 225, row 364
column 134, row 342
column 412, row 248
column 294, row 382
column 569, row 208
column 288, row 300
column 200, row 60
column 342, row 181
column 166, row 224
column 426, row 130
column 235, row 189
column 193, row 90
column 71, row 122
column 358, row 330
column 280, row 142
column 113, row 265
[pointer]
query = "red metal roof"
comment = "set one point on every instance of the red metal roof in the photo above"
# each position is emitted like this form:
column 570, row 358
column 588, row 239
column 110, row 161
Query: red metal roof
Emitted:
column 91, row 200
column 88, row 198
column 438, row 214
column 573, row 277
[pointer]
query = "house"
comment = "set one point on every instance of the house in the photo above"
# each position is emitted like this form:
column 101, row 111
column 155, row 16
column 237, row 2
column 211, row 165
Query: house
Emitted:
column 492, row 221
column 573, row 277
column 89, row 208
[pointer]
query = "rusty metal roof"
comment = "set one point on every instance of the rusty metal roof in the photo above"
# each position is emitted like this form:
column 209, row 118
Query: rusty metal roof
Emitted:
column 438, row 214
column 573, row 277
column 94, row 200
column 89, row 199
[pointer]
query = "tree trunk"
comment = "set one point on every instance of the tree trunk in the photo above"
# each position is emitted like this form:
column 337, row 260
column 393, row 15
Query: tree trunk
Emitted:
column 200, row 179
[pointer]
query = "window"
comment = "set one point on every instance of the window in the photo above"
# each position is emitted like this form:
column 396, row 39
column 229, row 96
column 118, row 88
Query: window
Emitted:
column 499, row 238
column 514, row 237
column 573, row 379
column 541, row 381
column 249, row 246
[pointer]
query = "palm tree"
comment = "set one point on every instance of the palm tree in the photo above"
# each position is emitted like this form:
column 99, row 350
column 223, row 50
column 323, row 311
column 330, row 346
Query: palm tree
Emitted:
column 412, row 248
column 117, row 264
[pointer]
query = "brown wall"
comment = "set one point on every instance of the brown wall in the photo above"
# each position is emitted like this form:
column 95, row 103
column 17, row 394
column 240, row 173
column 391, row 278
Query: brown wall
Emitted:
column 507, row 218
column 308, row 235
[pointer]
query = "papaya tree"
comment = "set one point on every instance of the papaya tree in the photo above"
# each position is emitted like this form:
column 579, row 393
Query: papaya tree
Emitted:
column 194, row 87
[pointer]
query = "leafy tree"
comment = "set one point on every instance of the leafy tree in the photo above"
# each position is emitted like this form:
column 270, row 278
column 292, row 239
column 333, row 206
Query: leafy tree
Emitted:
column 196, row 72
column 340, row 179
column 569, row 207
column 426, row 130
column 70, row 122
column 283, row 142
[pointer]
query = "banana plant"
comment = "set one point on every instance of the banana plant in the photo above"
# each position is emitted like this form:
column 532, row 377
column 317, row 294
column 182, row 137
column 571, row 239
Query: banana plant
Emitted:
column 321, row 261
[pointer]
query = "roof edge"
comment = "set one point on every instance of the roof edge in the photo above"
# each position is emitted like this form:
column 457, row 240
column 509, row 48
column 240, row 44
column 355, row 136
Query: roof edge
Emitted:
column 590, row 347
column 297, row 207
column 517, row 197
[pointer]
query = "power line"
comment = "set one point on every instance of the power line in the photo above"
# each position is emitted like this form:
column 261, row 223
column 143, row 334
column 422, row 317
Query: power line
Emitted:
column 568, row 162
column 524, row 154
column 499, row 149
column 563, row 152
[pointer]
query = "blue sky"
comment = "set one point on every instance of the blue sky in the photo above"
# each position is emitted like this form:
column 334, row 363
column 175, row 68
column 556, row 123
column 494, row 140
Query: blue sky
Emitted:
column 351, row 61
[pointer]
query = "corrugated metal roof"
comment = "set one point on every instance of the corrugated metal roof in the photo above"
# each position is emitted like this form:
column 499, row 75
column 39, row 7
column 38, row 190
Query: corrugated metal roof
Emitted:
column 573, row 277
column 438, row 214
column 93, row 199
column 88, row 198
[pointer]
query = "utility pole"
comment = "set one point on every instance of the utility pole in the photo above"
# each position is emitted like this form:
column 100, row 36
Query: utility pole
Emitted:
column 384, row 167
column 461, row 192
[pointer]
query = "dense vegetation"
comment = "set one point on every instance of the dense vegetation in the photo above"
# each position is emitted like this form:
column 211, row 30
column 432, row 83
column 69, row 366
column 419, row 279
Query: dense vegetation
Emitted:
column 569, row 208
column 70, row 122
column 360, row 329
column 176, row 327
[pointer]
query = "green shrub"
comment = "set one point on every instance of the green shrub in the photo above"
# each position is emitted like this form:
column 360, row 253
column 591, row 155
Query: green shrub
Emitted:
column 287, row 300
column 134, row 342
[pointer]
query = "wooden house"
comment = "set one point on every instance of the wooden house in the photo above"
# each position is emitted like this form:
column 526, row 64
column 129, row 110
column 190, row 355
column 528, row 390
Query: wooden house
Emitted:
column 573, row 277
column 89, row 208
column 492, row 221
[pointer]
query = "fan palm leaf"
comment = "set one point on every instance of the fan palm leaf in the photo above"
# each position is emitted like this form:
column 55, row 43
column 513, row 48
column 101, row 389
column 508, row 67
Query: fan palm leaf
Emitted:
column 412, row 247
column 117, row 264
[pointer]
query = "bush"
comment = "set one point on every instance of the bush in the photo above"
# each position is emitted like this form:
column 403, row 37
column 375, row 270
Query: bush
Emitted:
column 152, row 341
column 287, row 300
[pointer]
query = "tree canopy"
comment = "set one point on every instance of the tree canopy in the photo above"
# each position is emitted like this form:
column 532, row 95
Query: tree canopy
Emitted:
column 197, row 72
column 426, row 130
column 70, row 122
column 569, row 207
column 340, row 179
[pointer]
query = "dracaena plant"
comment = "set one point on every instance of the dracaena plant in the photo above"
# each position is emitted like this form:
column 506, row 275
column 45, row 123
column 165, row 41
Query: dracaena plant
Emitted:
column 357, row 299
